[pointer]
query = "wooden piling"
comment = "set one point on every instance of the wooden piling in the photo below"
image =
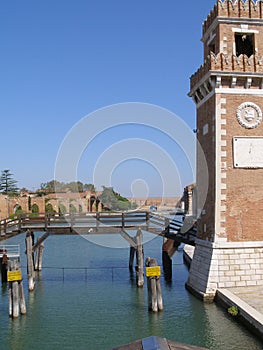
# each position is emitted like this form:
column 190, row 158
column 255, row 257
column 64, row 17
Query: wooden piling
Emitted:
column 16, row 292
column 131, row 259
column 22, row 302
column 10, row 299
column 4, row 267
column 139, row 259
column 39, row 255
column 15, row 299
column 155, row 301
column 30, row 261
column 159, row 294
column 167, row 266
column 169, row 248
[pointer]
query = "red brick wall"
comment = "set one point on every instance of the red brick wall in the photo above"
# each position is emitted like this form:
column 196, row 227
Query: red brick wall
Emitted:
column 205, row 115
column 244, row 204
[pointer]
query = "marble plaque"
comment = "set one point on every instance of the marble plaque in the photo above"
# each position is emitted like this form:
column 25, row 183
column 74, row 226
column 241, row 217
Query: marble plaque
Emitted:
column 248, row 152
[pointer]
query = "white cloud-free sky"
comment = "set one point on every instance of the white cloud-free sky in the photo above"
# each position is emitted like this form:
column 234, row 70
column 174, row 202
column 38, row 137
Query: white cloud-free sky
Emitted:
column 61, row 60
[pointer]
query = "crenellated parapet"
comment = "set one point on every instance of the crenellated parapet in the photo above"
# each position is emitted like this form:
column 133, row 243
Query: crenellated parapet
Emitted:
column 234, row 9
column 227, row 63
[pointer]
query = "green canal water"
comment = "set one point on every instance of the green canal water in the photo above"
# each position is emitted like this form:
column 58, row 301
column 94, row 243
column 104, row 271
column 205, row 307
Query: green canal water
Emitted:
column 86, row 298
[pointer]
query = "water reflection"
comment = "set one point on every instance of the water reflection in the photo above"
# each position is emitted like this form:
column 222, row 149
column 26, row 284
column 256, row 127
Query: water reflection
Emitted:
column 222, row 332
column 97, row 309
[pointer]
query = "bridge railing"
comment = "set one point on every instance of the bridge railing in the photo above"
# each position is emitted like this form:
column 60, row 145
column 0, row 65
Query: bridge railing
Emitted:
column 12, row 251
column 150, row 221
column 9, row 225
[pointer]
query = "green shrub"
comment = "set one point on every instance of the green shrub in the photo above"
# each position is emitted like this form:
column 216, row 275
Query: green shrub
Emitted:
column 233, row 310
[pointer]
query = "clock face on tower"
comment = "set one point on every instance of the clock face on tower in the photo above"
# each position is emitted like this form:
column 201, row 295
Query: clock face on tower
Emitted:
column 249, row 115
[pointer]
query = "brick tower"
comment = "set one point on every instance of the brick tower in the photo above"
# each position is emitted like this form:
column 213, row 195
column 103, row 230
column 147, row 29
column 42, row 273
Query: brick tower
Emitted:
column 228, row 92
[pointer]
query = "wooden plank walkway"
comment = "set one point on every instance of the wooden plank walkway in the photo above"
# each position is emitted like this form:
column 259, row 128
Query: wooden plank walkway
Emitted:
column 104, row 222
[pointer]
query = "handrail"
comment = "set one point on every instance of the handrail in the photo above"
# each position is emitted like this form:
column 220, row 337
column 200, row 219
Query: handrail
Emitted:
column 150, row 221
column 11, row 251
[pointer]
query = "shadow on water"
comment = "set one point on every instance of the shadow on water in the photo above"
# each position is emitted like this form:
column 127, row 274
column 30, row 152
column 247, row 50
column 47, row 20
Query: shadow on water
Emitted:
column 4, row 288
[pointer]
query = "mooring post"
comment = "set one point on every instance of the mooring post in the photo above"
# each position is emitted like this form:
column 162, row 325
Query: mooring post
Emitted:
column 167, row 261
column 15, row 299
column 131, row 259
column 30, row 261
column 155, row 300
column 22, row 302
column 139, row 259
column 4, row 267
column 16, row 292
column 159, row 293
column 39, row 256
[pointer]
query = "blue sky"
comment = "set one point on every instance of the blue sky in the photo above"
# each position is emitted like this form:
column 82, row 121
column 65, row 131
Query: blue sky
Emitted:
column 61, row 60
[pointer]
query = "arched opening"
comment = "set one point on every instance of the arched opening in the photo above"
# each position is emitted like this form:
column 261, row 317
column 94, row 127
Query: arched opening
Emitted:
column 72, row 209
column 97, row 204
column 62, row 209
column 35, row 209
column 49, row 208
column 17, row 209
column 92, row 200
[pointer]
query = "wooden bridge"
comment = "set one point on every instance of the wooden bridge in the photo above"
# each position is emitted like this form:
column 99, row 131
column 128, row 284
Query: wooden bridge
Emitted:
column 173, row 230
column 100, row 222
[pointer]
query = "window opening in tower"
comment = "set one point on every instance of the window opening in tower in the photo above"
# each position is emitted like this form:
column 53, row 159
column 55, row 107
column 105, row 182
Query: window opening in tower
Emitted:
column 244, row 44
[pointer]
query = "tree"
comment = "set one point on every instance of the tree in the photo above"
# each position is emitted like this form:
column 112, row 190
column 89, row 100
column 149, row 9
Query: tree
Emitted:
column 8, row 183
column 57, row 186
column 73, row 186
column 114, row 201
column 89, row 187
column 108, row 198
column 51, row 186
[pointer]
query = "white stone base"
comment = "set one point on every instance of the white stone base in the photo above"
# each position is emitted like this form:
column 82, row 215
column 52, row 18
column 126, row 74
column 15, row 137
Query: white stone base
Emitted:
column 225, row 265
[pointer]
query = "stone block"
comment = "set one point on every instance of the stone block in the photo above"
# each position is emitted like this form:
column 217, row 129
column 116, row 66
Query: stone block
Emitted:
column 255, row 256
column 230, row 273
column 235, row 278
column 256, row 277
column 245, row 278
column 241, row 284
column 244, row 256
column 244, row 267
column 251, row 283
column 231, row 284
column 223, row 268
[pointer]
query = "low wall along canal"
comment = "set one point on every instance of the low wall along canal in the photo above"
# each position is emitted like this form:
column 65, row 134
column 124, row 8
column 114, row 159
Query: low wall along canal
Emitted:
column 86, row 298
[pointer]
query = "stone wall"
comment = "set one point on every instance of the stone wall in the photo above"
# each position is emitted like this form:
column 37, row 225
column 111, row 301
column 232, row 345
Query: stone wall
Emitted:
column 82, row 202
column 158, row 201
column 225, row 265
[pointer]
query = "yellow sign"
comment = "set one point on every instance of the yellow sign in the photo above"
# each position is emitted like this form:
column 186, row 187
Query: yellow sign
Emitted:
column 154, row 271
column 13, row 276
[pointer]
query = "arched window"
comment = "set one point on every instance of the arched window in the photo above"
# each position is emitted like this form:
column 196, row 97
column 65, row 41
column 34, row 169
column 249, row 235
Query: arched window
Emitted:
column 35, row 209
column 17, row 209
column 72, row 208
column 49, row 208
